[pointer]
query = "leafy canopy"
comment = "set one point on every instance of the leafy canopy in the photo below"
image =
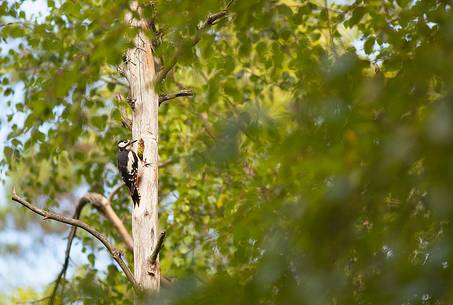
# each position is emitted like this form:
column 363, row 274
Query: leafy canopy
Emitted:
column 302, row 173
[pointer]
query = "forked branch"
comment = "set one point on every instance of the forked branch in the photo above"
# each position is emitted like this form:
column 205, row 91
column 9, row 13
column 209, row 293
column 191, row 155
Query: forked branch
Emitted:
column 115, row 253
column 104, row 206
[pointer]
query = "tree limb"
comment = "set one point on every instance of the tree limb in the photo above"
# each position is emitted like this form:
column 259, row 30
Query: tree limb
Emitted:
column 104, row 206
column 106, row 209
column 99, row 202
column 115, row 253
column 210, row 20
column 166, row 97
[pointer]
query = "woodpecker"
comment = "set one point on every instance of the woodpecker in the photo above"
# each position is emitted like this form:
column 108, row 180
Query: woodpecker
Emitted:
column 128, row 164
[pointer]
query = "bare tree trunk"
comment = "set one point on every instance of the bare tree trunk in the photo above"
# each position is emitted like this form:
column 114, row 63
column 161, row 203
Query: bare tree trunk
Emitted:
column 140, row 73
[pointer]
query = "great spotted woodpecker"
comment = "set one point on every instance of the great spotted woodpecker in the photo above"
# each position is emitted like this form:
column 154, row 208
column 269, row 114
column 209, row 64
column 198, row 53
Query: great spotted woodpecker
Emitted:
column 128, row 165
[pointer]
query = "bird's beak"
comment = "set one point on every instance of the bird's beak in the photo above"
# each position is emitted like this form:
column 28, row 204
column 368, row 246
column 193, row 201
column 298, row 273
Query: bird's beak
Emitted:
column 131, row 142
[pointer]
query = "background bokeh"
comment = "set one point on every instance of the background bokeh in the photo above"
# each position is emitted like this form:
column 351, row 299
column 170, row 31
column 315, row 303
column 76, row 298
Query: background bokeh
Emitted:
column 314, row 165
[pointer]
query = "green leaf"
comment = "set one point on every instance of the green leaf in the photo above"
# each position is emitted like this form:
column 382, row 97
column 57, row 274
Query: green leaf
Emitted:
column 8, row 152
column 369, row 45
column 91, row 259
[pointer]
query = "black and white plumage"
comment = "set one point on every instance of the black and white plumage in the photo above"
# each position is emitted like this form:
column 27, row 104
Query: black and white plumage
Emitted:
column 128, row 164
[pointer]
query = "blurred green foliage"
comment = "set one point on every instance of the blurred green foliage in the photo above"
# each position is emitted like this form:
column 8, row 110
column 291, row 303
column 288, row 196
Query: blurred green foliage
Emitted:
column 304, row 171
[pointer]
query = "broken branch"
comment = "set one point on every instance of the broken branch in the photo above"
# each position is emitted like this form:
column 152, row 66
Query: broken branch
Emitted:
column 152, row 259
column 159, row 245
column 166, row 97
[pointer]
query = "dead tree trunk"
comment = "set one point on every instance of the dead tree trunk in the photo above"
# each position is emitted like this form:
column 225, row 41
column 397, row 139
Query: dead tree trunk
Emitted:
column 140, row 73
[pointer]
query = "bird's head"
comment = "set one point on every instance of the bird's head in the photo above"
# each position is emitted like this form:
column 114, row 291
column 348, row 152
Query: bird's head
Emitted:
column 125, row 144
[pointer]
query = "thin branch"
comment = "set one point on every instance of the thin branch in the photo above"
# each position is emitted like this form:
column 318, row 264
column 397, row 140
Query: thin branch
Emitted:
column 115, row 81
column 166, row 97
column 6, row 24
column 33, row 301
column 166, row 282
column 129, row 100
column 115, row 253
column 331, row 38
column 207, row 126
column 210, row 20
column 213, row 19
column 23, row 23
column 82, row 202
column 167, row 162
column 115, row 191
column 153, row 26
column 126, row 121
column 162, row 74
column 318, row 6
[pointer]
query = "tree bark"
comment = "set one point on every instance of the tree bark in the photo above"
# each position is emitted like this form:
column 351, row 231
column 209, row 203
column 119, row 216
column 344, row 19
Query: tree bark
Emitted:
column 140, row 73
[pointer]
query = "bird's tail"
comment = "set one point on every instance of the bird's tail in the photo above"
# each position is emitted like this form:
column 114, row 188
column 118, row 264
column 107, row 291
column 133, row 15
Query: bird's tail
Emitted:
column 136, row 197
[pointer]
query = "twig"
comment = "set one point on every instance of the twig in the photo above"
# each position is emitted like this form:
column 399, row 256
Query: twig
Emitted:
column 166, row 97
column 115, row 253
column 6, row 24
column 210, row 20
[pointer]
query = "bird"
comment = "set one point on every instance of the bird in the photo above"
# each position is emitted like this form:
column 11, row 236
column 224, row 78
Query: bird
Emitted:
column 128, row 163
